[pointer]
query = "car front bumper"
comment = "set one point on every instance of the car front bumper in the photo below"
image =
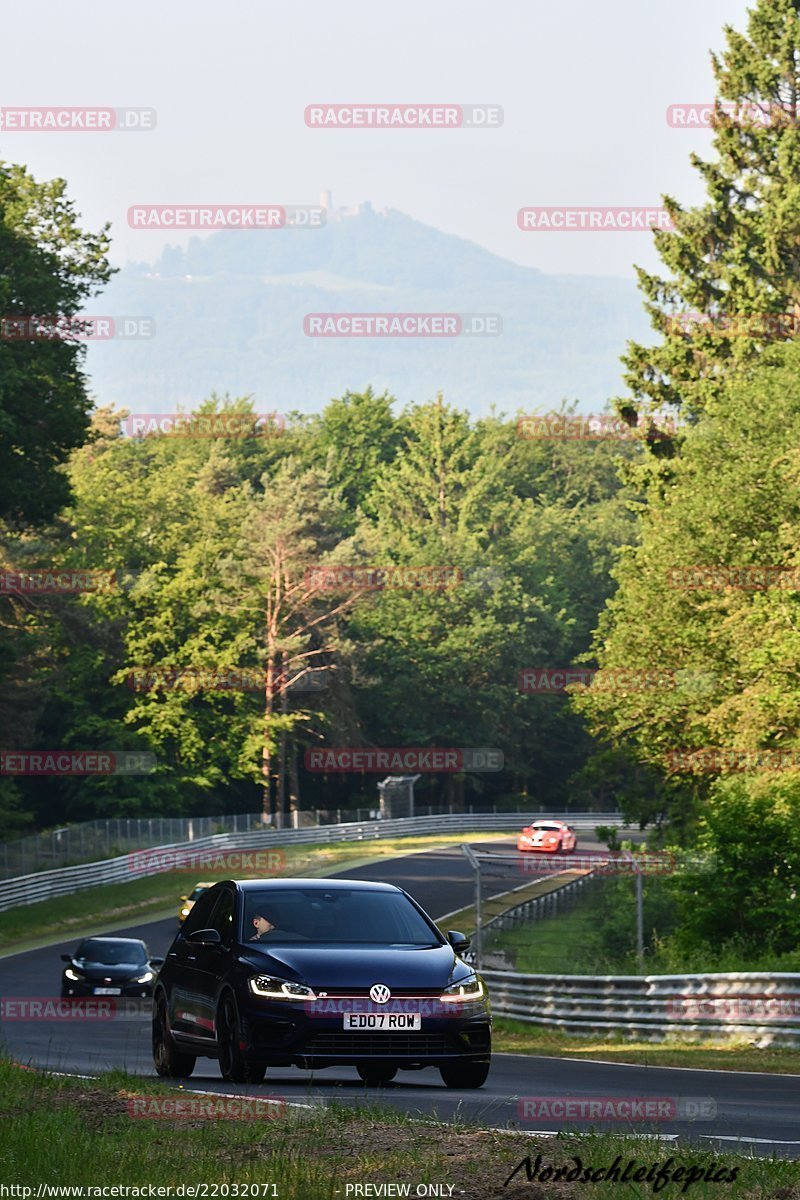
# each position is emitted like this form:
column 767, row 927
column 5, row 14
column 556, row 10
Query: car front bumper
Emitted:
column 82, row 987
column 296, row 1038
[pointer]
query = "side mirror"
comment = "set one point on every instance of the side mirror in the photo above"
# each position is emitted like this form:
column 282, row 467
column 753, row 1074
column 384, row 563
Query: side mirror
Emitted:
column 66, row 958
column 459, row 941
column 206, row 937
column 156, row 962
column 184, row 899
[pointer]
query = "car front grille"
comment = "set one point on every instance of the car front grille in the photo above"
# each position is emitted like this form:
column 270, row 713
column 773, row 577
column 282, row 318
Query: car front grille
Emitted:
column 421, row 1045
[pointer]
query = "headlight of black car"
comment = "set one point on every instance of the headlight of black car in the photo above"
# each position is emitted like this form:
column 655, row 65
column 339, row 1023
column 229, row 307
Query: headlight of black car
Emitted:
column 469, row 988
column 271, row 988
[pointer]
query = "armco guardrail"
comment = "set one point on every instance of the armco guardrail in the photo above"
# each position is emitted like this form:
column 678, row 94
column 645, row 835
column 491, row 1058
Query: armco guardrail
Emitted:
column 759, row 1006
column 44, row 885
column 539, row 906
column 106, row 837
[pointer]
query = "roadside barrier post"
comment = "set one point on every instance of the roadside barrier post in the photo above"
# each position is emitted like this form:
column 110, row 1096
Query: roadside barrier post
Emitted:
column 476, row 866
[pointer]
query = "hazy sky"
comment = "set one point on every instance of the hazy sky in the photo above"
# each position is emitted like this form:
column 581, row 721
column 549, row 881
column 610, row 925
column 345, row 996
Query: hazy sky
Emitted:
column 584, row 87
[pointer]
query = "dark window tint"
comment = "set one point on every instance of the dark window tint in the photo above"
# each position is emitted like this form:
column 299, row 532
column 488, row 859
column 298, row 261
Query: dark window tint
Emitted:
column 198, row 918
column 222, row 917
column 339, row 916
column 110, row 953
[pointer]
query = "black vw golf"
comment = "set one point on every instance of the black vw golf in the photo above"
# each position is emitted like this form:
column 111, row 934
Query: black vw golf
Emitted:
column 317, row 973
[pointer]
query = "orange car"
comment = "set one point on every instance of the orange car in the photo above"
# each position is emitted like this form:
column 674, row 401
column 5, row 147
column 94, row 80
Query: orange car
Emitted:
column 548, row 836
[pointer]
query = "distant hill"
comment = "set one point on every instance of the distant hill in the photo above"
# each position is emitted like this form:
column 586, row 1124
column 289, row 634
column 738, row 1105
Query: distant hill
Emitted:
column 229, row 309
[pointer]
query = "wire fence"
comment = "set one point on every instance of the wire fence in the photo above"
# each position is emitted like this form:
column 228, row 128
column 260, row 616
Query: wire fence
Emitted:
column 63, row 881
column 543, row 915
column 91, row 841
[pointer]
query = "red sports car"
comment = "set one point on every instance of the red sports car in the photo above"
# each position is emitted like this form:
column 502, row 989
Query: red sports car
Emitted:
column 548, row 836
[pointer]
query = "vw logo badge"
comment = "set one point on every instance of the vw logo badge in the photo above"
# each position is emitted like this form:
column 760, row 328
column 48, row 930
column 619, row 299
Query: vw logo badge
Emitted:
column 380, row 993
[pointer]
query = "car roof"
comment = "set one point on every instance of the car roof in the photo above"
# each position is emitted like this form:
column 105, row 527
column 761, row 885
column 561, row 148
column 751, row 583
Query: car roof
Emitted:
column 322, row 885
column 101, row 937
column 204, row 883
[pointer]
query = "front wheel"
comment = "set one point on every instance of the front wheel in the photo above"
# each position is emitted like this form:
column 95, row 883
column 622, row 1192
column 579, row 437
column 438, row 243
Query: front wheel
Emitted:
column 464, row 1074
column 169, row 1062
column 235, row 1066
column 377, row 1075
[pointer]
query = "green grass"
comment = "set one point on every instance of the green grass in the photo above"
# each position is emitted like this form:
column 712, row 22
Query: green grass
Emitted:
column 570, row 943
column 121, row 904
column 494, row 906
column 598, row 937
column 80, row 1133
column 517, row 1037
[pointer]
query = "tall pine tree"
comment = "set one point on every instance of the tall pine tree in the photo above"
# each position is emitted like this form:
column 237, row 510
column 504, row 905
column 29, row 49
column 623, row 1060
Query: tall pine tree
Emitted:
column 737, row 257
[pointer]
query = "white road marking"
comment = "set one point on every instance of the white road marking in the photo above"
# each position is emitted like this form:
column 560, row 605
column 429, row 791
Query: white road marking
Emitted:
column 726, row 1137
column 606, row 1062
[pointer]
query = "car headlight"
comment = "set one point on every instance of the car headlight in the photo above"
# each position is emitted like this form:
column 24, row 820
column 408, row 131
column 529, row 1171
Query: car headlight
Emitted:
column 272, row 988
column 185, row 912
column 70, row 974
column 148, row 975
column 470, row 988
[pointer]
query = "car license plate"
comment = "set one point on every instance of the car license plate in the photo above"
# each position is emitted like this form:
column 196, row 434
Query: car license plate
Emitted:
column 108, row 991
column 366, row 1022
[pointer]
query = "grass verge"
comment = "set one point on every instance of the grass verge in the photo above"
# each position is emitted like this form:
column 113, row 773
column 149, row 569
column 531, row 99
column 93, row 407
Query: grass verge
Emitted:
column 59, row 1131
column 517, row 1037
column 120, row 904
column 493, row 906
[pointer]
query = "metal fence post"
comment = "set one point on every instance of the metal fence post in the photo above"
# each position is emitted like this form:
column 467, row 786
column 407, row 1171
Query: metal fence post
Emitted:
column 639, row 919
column 476, row 866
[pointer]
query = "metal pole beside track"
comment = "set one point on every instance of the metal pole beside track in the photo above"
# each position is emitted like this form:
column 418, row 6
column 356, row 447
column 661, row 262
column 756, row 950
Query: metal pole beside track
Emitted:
column 476, row 866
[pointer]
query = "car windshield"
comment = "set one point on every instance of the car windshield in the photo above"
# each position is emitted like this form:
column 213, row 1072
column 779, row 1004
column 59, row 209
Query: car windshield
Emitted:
column 339, row 916
column 111, row 953
column 547, row 828
column 197, row 893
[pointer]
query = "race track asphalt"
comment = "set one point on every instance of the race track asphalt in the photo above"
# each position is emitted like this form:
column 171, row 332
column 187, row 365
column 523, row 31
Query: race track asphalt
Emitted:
column 759, row 1113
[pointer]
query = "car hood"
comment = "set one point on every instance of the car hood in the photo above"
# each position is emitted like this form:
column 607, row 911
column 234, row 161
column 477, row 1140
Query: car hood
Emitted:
column 112, row 971
column 356, row 967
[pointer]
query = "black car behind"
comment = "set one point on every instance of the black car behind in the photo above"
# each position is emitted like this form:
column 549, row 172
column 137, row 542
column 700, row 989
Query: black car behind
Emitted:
column 316, row 973
column 109, row 966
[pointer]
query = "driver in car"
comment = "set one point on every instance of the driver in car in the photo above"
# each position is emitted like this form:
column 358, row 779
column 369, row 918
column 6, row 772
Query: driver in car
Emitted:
column 263, row 926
